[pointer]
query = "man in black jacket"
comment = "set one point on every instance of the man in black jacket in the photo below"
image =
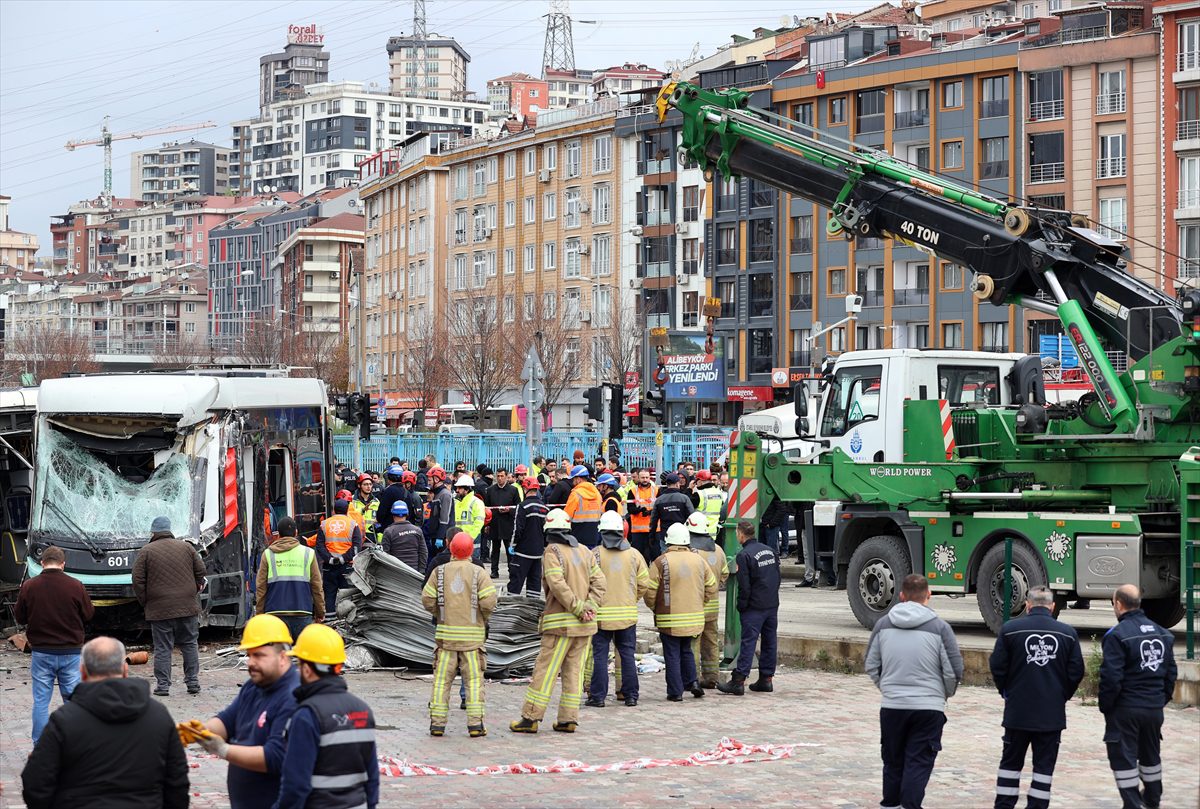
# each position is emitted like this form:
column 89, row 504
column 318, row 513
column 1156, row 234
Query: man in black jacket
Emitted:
column 1036, row 665
column 502, row 498
column 758, row 609
column 528, row 542
column 672, row 505
column 111, row 746
column 1137, row 678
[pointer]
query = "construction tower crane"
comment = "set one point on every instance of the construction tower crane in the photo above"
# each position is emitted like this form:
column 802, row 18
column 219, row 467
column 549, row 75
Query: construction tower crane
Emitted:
column 106, row 140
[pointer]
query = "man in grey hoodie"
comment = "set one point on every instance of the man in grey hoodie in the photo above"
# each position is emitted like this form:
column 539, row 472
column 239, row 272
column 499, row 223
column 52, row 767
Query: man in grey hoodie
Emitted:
column 914, row 660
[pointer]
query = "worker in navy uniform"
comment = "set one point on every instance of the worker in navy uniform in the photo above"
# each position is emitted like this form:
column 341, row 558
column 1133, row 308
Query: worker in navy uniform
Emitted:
column 391, row 493
column 330, row 761
column 672, row 506
column 1036, row 665
column 528, row 542
column 758, row 610
column 1137, row 678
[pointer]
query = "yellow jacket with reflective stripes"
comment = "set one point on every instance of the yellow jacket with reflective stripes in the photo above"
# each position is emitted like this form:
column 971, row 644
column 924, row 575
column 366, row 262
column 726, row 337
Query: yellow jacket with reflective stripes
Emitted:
column 681, row 582
column 719, row 565
column 626, row 580
column 573, row 584
column 468, row 515
column 461, row 597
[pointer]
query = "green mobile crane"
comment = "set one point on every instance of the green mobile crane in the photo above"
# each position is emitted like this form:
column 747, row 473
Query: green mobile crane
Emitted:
column 1092, row 494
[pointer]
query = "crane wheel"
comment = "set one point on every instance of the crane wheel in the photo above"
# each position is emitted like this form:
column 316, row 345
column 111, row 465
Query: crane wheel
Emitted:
column 984, row 287
column 1016, row 222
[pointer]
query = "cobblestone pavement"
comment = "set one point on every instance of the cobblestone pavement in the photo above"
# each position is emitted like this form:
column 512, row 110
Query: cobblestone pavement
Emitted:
column 837, row 711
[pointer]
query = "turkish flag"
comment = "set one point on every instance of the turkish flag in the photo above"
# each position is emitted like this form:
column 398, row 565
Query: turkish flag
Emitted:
column 820, row 79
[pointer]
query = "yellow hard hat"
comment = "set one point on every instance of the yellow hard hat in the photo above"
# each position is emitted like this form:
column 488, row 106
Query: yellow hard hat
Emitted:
column 320, row 644
column 264, row 629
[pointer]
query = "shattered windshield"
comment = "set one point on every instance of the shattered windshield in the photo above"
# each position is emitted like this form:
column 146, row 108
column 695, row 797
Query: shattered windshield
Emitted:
column 78, row 491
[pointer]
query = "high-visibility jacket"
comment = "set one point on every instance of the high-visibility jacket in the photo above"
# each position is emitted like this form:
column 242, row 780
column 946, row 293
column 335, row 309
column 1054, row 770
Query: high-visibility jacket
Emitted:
column 614, row 503
column 712, row 500
column 468, row 515
column 642, row 500
column 354, row 512
column 289, row 576
column 584, row 507
column 681, row 583
column 345, row 763
column 625, row 582
column 339, row 534
column 719, row 564
column 573, row 584
column 461, row 597
column 368, row 510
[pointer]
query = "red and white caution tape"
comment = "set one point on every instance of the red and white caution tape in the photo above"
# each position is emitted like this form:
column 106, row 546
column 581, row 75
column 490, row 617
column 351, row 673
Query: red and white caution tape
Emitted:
column 729, row 751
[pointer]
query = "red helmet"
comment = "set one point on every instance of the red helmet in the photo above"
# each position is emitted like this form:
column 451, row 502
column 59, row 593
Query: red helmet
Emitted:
column 343, row 494
column 521, row 470
column 437, row 473
column 363, row 477
column 409, row 477
column 531, row 483
column 462, row 546
column 487, row 516
column 704, row 474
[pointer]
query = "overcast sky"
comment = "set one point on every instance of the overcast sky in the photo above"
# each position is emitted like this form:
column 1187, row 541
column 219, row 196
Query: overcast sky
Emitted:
column 154, row 63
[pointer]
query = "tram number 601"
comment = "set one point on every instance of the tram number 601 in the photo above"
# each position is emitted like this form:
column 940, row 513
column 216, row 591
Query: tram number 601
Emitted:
column 118, row 561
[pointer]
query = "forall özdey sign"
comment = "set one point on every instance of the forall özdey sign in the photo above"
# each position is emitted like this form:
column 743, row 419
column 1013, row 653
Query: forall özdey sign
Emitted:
column 305, row 35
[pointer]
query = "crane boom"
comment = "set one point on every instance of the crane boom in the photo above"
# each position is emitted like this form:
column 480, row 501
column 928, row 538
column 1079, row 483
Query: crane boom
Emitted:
column 1043, row 260
column 106, row 140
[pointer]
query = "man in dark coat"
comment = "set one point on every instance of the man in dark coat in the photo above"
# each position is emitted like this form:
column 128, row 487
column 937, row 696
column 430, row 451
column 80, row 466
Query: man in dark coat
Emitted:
column 110, row 747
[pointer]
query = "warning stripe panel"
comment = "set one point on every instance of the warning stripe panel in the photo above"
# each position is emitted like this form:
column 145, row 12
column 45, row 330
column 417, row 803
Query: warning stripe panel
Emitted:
column 748, row 501
column 947, row 428
column 231, row 504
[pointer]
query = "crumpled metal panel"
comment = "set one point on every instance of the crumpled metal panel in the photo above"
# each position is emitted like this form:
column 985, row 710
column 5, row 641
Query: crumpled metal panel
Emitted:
column 382, row 610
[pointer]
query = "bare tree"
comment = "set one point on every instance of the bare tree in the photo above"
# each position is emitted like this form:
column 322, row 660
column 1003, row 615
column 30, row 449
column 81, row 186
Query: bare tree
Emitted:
column 323, row 355
column 426, row 369
column 183, row 352
column 480, row 359
column 563, row 352
column 621, row 343
column 47, row 353
column 261, row 343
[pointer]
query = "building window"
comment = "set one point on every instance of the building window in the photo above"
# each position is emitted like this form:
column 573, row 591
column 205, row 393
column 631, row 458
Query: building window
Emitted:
column 691, row 310
column 993, row 158
column 1111, row 98
column 601, row 153
column 1111, row 162
column 510, row 261
column 762, row 240
column 550, row 256
column 870, row 109
column 571, row 216
column 510, row 213
column 993, row 336
column 1189, row 182
column 530, row 162
column 952, row 277
column 691, row 203
column 837, row 282
column 801, row 296
column 530, row 210
column 530, row 306
column 574, row 154
column 1046, row 95
column 571, row 262
column 460, row 272
column 1047, row 161
column 952, row 94
column 727, row 194
column 1189, row 252
column 952, row 335
column 550, row 206
column 510, row 309
column 994, row 103
column 530, row 257
column 837, row 110
column 760, row 353
column 762, row 294
column 952, row 155
column 601, row 204
column 1189, row 46
column 727, row 244
column 549, row 305
column 1112, row 218
column 801, row 241
column 602, row 255
column 550, row 155
column 690, row 256
column 803, row 113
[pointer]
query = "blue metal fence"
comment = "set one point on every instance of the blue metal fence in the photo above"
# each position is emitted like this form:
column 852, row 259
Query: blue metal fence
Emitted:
column 507, row 450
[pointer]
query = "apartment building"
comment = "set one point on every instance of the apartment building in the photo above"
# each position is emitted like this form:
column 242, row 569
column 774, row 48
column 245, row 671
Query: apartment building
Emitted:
column 317, row 141
column 317, row 265
column 625, row 78
column 433, row 68
column 948, row 16
column 17, row 250
column 1179, row 67
column 567, row 87
column 517, row 95
column 521, row 231
column 179, row 169
column 952, row 110
column 303, row 61
column 85, row 238
column 146, row 239
column 161, row 317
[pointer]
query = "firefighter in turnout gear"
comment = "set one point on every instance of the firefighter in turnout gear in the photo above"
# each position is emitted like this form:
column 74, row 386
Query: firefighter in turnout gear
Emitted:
column 468, row 510
column 681, row 583
column 330, row 759
column 1137, row 680
column 461, row 598
column 710, row 500
column 707, row 648
column 626, row 580
column 338, row 540
column 574, row 588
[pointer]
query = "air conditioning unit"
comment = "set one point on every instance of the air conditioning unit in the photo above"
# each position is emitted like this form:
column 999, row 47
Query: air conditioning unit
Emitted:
column 681, row 278
column 585, row 316
column 636, row 231
column 544, row 176
column 584, row 207
column 584, row 249
column 681, row 227
column 486, row 233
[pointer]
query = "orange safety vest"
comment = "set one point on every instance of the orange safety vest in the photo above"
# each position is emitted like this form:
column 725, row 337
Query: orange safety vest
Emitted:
column 339, row 533
column 640, row 523
column 581, row 508
column 620, row 504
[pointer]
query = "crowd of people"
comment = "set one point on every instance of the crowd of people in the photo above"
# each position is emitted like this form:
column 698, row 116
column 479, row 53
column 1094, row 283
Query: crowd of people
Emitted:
column 593, row 542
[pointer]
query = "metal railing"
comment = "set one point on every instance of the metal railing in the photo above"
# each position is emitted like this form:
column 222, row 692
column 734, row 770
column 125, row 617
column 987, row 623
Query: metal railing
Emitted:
column 1188, row 60
column 870, row 123
column 1188, row 268
column 800, row 302
column 1109, row 103
column 911, row 118
column 801, row 245
column 993, row 169
column 1110, row 167
column 1047, row 172
column 911, row 297
column 1046, row 110
column 872, row 297
column 1187, row 130
column 1189, row 198
column 800, row 358
column 762, row 253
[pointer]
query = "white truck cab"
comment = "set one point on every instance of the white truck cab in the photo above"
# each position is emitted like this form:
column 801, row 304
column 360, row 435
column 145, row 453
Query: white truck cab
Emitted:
column 862, row 408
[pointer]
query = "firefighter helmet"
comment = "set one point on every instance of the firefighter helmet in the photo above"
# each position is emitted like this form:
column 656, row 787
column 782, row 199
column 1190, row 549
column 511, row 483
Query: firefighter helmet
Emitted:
column 557, row 520
column 678, row 534
column 611, row 521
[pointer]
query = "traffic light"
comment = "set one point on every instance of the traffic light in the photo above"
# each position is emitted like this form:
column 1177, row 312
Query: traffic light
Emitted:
column 595, row 403
column 616, row 411
column 341, row 407
column 364, row 417
column 654, row 405
column 353, row 409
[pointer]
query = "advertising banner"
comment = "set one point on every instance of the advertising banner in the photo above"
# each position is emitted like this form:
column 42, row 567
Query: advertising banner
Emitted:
column 692, row 374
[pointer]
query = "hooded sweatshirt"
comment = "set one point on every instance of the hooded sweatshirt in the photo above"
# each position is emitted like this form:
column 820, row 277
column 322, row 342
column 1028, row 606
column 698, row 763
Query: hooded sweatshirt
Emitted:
column 109, row 747
column 913, row 658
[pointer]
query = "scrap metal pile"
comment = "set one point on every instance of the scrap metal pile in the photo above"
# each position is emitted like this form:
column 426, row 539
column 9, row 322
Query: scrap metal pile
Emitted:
column 382, row 610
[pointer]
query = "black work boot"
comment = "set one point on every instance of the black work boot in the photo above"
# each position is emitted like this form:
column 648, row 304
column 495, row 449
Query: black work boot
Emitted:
column 523, row 725
column 697, row 691
column 736, row 686
column 762, row 684
column 565, row 727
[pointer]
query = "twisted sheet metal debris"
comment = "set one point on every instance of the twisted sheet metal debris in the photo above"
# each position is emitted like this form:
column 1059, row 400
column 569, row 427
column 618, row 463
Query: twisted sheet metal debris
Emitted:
column 383, row 612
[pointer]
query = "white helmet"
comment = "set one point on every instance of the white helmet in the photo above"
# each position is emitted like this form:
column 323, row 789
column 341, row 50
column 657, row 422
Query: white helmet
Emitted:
column 611, row 521
column 698, row 522
column 464, row 482
column 678, row 534
column 557, row 520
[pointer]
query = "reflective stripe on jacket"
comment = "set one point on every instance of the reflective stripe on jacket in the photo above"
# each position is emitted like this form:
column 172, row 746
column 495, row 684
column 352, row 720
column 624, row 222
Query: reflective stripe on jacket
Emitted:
column 461, row 597
column 289, row 589
column 625, row 582
column 468, row 515
column 681, row 582
column 643, row 498
column 339, row 534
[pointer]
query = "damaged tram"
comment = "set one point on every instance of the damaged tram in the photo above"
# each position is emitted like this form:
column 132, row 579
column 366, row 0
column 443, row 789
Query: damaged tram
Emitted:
column 224, row 457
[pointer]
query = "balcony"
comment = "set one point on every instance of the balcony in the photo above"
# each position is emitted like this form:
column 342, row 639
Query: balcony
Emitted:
column 1110, row 167
column 911, row 118
column 656, row 269
column 1047, row 172
column 993, row 169
column 1189, row 198
column 1110, row 103
column 801, row 302
column 727, row 256
column 460, row 237
column 727, row 202
column 654, row 166
column 1188, row 268
column 911, row 297
column 1046, row 110
column 656, row 320
column 762, row 253
column 871, row 123
column 760, row 365
column 802, row 245
column 799, row 358
column 1188, row 60
column 654, row 218
column 872, row 297
column 993, row 109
